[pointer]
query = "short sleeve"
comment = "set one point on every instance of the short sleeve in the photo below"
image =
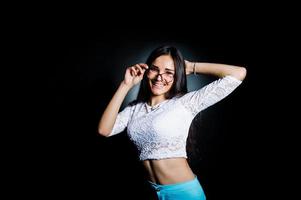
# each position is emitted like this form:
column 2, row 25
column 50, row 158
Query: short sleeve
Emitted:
column 210, row 94
column 122, row 120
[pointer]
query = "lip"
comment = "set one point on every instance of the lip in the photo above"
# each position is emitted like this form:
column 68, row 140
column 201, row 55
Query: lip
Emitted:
column 157, row 85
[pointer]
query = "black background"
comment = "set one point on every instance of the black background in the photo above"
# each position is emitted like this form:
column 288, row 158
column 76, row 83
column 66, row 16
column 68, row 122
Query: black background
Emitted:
column 85, row 72
column 82, row 58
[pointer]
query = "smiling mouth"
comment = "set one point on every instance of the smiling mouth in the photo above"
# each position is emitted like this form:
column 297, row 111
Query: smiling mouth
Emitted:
column 158, row 84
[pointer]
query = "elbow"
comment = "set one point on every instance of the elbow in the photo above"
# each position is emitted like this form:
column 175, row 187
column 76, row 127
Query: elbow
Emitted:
column 241, row 73
column 103, row 132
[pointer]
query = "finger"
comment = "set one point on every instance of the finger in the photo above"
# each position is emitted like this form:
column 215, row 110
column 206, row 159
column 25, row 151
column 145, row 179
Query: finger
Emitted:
column 134, row 70
column 141, row 71
column 143, row 65
column 186, row 62
column 137, row 69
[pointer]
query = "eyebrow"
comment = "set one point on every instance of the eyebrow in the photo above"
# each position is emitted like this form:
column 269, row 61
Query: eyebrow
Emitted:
column 165, row 68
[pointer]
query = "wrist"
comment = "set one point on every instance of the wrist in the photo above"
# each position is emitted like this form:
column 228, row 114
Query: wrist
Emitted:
column 194, row 68
column 125, row 85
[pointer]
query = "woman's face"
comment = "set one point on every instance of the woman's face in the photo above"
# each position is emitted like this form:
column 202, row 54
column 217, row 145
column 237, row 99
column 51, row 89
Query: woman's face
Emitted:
column 161, row 75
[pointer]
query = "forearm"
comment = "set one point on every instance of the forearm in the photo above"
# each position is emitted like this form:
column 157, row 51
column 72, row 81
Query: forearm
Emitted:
column 219, row 70
column 109, row 116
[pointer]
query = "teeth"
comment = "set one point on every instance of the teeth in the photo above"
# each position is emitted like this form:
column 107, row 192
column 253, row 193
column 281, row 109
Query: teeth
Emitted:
column 158, row 85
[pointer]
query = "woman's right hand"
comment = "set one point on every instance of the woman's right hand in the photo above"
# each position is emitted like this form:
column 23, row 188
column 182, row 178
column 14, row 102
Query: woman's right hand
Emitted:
column 134, row 74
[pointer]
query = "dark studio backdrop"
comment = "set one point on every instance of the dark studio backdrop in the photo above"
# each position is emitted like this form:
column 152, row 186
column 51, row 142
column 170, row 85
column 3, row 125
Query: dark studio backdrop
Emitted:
column 81, row 52
column 85, row 69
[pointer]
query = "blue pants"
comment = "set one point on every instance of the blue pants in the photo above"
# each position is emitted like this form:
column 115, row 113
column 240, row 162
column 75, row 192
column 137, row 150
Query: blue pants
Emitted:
column 189, row 190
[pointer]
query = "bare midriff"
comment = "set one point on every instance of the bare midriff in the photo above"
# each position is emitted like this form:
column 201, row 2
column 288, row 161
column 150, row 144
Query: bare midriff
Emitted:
column 168, row 171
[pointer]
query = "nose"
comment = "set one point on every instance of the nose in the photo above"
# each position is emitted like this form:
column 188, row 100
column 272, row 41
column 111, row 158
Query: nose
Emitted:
column 157, row 78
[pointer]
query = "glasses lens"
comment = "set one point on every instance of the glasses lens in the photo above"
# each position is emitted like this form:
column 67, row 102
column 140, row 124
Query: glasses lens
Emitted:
column 153, row 73
column 167, row 77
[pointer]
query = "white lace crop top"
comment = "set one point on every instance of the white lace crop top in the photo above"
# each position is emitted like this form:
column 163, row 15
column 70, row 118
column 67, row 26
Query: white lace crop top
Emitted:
column 161, row 131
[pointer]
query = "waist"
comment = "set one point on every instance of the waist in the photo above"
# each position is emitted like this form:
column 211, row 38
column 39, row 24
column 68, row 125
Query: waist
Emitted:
column 175, row 186
column 168, row 171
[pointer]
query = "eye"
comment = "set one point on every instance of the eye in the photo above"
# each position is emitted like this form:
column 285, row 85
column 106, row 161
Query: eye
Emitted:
column 153, row 68
column 169, row 73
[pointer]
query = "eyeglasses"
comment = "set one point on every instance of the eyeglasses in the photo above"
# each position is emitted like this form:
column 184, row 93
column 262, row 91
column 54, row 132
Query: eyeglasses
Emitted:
column 153, row 72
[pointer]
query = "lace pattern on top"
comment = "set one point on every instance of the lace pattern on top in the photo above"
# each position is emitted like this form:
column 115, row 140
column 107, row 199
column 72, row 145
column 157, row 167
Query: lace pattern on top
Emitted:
column 150, row 143
column 162, row 132
column 201, row 99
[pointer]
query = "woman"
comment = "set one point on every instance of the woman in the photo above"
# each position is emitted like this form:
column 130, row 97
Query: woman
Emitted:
column 159, row 120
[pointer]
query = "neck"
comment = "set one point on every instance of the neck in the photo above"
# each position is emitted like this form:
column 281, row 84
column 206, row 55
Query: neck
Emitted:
column 154, row 100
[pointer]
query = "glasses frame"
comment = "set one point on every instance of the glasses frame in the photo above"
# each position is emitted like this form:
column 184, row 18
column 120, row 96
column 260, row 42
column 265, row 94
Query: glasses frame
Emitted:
column 155, row 71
